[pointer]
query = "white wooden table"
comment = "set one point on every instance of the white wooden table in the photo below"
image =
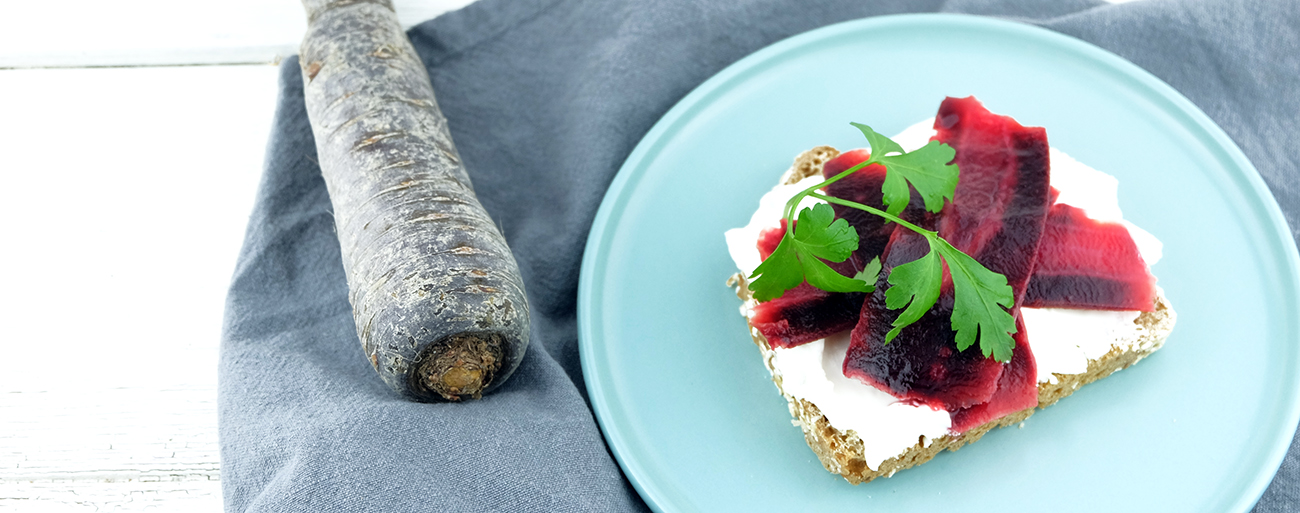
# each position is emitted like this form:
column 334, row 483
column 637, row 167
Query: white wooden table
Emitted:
column 129, row 175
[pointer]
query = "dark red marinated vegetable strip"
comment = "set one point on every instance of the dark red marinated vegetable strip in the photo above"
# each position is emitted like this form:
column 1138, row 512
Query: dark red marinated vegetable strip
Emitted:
column 805, row 313
column 922, row 365
column 769, row 239
column 1085, row 263
column 1017, row 388
column 1001, row 204
column 997, row 216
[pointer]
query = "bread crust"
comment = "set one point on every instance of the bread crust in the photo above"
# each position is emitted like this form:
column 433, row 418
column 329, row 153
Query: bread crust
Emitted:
column 842, row 452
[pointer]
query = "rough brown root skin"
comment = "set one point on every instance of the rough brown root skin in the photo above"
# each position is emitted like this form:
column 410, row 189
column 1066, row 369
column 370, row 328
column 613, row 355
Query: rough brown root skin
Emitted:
column 429, row 272
column 463, row 366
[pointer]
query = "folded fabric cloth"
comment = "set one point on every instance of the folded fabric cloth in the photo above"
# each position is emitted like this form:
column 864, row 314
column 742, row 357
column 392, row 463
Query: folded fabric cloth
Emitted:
column 545, row 100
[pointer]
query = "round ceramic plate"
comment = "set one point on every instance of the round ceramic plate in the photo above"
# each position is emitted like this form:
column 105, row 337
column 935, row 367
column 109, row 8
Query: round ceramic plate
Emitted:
column 692, row 415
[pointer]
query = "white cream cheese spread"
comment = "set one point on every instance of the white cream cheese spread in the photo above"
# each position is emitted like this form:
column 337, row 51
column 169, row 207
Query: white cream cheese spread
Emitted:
column 1063, row 340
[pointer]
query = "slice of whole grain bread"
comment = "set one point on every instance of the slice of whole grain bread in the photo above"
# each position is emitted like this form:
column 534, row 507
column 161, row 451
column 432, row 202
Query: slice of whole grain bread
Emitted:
column 842, row 452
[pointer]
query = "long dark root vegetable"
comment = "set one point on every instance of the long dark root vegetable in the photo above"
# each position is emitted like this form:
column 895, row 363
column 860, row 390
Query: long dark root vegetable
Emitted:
column 436, row 294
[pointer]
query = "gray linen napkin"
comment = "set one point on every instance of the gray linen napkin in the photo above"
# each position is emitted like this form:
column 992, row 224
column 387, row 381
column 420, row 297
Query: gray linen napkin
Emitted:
column 545, row 100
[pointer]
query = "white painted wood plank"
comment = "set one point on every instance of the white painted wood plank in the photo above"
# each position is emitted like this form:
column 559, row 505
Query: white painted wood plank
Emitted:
column 77, row 33
column 124, row 449
column 126, row 196
column 127, row 191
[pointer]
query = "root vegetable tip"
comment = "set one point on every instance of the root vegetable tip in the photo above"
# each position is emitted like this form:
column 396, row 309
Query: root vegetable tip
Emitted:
column 464, row 366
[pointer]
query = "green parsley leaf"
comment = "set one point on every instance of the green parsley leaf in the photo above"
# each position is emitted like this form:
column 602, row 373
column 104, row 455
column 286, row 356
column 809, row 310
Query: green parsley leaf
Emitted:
column 823, row 277
column 817, row 235
column 870, row 274
column 982, row 297
column 916, row 282
column 880, row 145
column 928, row 169
column 779, row 273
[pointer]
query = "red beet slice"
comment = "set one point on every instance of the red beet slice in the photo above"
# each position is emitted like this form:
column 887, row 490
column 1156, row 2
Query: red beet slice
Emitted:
column 1017, row 388
column 769, row 239
column 1085, row 263
column 805, row 313
column 1001, row 203
column 997, row 216
column 922, row 365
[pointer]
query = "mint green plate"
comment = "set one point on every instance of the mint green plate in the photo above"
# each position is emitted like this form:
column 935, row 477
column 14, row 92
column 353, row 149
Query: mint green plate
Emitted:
column 692, row 415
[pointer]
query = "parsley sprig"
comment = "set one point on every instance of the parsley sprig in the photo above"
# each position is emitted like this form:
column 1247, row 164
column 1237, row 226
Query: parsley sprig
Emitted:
column 981, row 296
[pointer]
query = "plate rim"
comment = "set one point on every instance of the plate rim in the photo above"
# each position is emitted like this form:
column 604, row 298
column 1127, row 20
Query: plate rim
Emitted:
column 592, row 271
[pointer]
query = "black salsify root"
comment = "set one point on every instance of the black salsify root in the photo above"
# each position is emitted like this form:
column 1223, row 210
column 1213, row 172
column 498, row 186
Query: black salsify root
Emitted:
column 437, row 297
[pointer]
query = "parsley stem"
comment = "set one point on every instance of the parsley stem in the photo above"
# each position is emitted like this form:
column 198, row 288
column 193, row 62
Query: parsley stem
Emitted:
column 876, row 211
column 794, row 202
